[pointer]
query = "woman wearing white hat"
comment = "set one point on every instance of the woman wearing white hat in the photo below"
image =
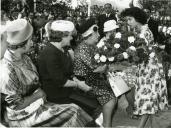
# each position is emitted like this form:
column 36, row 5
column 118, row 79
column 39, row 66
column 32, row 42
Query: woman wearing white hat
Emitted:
column 26, row 103
column 55, row 63
column 109, row 29
column 85, row 69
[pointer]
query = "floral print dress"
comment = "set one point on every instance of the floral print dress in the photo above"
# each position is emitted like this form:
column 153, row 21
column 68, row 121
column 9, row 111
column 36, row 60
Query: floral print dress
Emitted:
column 84, row 67
column 17, row 78
column 151, row 90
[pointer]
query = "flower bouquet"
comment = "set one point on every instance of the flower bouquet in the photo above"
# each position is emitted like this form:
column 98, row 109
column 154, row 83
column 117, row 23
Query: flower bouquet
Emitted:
column 108, row 49
column 124, row 50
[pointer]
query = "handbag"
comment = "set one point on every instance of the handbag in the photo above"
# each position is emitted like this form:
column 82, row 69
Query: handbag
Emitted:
column 117, row 84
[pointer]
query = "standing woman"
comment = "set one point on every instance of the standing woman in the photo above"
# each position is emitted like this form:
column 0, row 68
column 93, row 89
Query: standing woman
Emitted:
column 85, row 69
column 151, row 90
column 26, row 103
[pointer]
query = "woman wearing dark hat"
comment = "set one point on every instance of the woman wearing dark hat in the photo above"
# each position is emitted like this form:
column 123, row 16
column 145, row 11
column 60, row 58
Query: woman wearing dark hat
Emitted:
column 85, row 69
column 26, row 103
column 151, row 90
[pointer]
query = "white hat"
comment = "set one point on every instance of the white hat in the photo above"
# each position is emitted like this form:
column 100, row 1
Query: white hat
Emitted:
column 18, row 31
column 110, row 25
column 3, row 29
column 62, row 25
column 47, row 26
column 89, row 31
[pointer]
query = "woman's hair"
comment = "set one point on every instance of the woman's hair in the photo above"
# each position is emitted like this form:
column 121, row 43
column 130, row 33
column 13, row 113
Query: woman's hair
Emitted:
column 86, row 25
column 139, row 15
column 56, row 36
column 15, row 47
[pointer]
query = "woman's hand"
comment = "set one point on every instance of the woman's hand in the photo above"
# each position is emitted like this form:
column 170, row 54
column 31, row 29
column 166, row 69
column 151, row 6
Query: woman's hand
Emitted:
column 82, row 85
column 39, row 93
column 101, row 69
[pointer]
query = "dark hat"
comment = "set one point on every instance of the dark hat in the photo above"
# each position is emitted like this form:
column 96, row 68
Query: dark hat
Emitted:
column 88, row 27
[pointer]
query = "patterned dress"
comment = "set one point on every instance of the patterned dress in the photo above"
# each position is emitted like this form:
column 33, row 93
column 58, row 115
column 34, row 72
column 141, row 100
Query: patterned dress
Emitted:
column 151, row 90
column 16, row 80
column 84, row 67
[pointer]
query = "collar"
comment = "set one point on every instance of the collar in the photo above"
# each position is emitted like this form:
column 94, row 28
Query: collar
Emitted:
column 107, row 15
column 10, row 56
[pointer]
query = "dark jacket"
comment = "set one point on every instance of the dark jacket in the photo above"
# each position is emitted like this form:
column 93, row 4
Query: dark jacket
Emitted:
column 55, row 68
column 153, row 26
column 102, row 19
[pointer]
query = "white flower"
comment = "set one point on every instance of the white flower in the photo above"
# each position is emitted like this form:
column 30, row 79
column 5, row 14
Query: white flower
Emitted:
column 100, row 44
column 97, row 56
column 125, row 55
column 152, row 55
column 118, row 35
column 142, row 35
column 132, row 48
column 131, row 39
column 103, row 58
column 168, row 31
column 105, row 48
column 111, row 59
column 117, row 45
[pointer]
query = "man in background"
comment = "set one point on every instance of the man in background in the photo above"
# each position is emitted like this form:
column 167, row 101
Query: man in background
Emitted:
column 108, row 15
column 153, row 25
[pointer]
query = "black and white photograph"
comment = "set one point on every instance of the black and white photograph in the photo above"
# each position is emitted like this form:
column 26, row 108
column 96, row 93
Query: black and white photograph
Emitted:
column 85, row 63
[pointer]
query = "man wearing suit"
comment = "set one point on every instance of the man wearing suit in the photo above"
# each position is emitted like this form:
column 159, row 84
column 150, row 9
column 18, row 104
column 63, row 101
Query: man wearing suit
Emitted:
column 105, row 17
column 153, row 25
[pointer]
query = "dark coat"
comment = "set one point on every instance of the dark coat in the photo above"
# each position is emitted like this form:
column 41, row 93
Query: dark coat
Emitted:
column 55, row 68
column 102, row 19
column 153, row 26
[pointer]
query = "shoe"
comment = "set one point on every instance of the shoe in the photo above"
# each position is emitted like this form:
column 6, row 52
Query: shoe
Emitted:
column 99, row 120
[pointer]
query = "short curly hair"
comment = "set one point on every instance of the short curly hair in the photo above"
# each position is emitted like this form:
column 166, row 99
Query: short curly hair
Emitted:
column 139, row 15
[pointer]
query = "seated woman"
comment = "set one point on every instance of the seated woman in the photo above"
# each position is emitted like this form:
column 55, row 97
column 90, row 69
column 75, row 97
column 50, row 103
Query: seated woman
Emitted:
column 55, row 63
column 110, row 28
column 26, row 102
column 3, row 47
column 85, row 69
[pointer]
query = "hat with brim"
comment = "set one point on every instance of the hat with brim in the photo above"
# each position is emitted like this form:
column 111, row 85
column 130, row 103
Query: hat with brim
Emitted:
column 18, row 31
column 110, row 25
